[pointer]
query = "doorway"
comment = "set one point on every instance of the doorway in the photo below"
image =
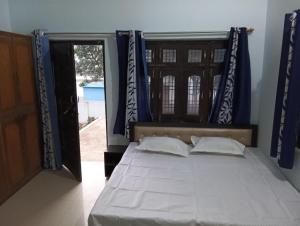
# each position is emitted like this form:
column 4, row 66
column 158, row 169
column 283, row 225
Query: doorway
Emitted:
column 78, row 68
column 90, row 85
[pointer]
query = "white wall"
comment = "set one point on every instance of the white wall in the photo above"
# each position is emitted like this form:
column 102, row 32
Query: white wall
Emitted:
column 4, row 16
column 151, row 16
column 274, row 31
column 88, row 109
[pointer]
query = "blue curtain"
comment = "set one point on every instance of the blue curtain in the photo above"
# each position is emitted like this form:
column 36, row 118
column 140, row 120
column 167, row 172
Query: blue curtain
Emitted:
column 287, row 107
column 232, row 104
column 133, row 103
column 122, row 45
column 47, row 102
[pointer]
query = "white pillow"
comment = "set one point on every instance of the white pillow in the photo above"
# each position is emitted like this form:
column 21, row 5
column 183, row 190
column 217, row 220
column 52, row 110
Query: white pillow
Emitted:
column 164, row 145
column 220, row 145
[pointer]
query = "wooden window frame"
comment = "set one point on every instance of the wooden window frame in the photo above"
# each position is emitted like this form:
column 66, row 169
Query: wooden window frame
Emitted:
column 182, row 70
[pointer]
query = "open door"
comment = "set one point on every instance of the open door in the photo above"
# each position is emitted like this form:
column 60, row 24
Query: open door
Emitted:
column 62, row 55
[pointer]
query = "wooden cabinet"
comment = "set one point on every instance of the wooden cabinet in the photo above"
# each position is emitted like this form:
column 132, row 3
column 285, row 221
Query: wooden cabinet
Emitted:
column 7, row 89
column 32, row 155
column 20, row 150
column 4, row 185
column 13, row 152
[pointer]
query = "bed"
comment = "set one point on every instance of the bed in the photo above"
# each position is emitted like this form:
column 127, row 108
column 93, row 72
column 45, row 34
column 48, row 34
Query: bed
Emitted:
column 151, row 189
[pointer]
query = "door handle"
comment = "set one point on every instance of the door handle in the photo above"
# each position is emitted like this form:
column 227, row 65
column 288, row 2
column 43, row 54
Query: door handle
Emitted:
column 72, row 99
column 71, row 105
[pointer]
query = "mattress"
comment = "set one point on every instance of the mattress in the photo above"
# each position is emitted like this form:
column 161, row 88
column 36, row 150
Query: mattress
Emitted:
column 150, row 189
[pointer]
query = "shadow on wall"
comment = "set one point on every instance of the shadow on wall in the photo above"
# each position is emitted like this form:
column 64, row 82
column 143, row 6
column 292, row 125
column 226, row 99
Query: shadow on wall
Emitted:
column 255, row 100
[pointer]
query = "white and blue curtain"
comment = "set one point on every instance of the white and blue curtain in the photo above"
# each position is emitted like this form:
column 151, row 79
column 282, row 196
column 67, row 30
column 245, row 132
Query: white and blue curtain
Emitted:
column 133, row 103
column 232, row 104
column 287, row 107
column 47, row 102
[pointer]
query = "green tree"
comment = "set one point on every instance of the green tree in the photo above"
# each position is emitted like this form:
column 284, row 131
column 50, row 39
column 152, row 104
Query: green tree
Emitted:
column 89, row 61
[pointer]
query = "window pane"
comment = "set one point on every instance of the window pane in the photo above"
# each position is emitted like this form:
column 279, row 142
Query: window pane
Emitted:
column 194, row 56
column 219, row 55
column 168, row 94
column 194, row 82
column 216, row 82
column 149, row 55
column 169, row 55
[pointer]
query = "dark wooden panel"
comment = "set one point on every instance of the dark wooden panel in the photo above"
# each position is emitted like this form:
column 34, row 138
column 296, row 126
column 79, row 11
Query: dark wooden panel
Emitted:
column 33, row 151
column 13, row 113
column 112, row 157
column 116, row 148
column 24, row 66
column 108, row 169
column 14, row 152
column 66, row 97
column 194, row 55
column 111, row 160
column 4, row 185
column 7, row 84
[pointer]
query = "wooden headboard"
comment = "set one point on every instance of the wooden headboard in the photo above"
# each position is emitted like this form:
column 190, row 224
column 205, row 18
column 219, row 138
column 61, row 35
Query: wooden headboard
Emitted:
column 247, row 135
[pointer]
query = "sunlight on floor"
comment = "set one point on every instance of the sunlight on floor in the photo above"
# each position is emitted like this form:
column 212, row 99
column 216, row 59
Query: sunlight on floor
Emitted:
column 55, row 199
column 93, row 141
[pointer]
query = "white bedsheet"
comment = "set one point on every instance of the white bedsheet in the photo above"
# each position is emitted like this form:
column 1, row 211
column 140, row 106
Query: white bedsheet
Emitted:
column 148, row 189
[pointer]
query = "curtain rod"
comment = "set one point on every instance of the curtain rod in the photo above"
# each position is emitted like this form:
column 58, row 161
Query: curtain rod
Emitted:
column 249, row 30
column 184, row 35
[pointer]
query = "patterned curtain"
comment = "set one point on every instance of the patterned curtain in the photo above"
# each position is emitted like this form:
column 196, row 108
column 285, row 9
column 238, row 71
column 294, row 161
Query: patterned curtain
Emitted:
column 287, row 108
column 133, row 81
column 233, row 100
column 47, row 101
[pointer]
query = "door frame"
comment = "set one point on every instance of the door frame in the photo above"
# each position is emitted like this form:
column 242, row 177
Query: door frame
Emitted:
column 87, row 41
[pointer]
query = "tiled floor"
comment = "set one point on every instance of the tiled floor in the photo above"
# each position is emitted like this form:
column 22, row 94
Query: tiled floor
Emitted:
column 93, row 140
column 55, row 199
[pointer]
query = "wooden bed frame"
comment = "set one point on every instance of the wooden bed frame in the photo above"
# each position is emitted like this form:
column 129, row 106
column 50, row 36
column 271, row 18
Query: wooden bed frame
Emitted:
column 247, row 135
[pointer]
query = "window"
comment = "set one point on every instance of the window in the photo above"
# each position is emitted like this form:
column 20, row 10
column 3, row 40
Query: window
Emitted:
column 195, row 55
column 168, row 94
column 216, row 81
column 193, row 97
column 169, row 55
column 184, row 78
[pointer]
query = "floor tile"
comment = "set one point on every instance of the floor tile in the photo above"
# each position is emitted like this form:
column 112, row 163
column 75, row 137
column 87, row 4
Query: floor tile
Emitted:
column 55, row 198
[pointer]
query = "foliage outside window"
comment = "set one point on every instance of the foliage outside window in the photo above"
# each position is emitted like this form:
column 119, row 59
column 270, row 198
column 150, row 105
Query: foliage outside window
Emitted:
column 89, row 62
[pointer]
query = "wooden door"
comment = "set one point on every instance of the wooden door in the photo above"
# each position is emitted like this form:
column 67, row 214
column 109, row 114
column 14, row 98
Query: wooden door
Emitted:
column 10, row 150
column 32, row 143
column 8, row 95
column 14, row 152
column 19, row 119
column 62, row 55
